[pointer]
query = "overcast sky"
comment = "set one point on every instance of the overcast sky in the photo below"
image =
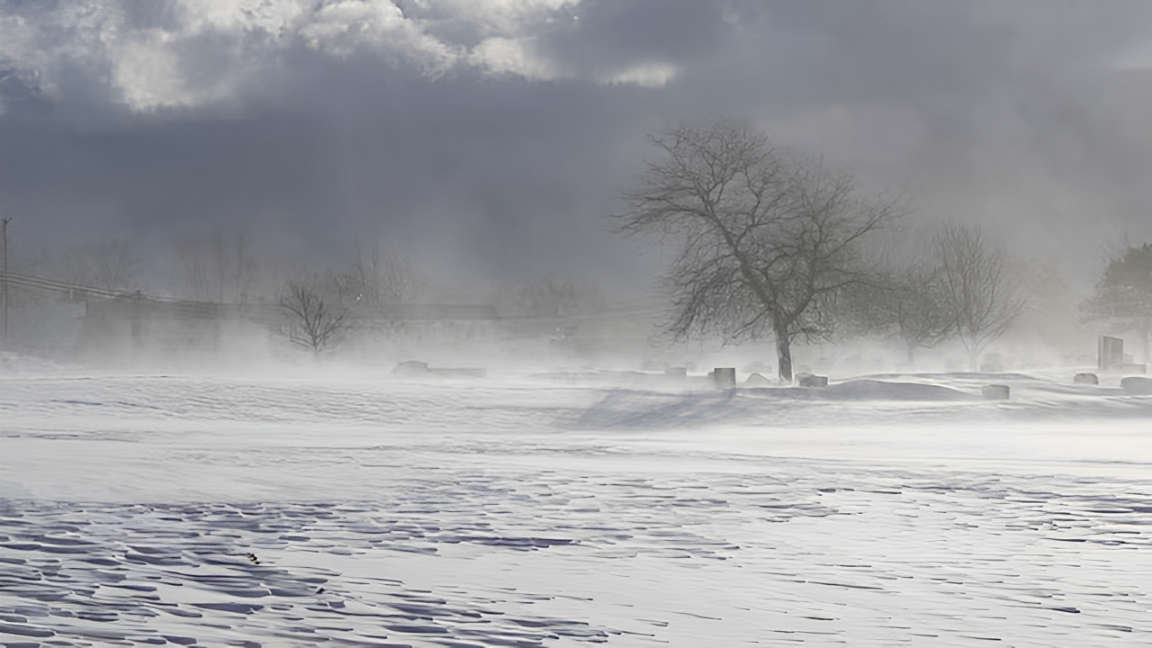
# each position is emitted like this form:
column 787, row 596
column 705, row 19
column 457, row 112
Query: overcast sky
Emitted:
column 488, row 138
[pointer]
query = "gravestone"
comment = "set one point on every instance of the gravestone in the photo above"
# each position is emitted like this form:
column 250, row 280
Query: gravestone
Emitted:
column 809, row 380
column 994, row 392
column 411, row 368
column 1085, row 379
column 1137, row 385
column 1110, row 352
column 725, row 377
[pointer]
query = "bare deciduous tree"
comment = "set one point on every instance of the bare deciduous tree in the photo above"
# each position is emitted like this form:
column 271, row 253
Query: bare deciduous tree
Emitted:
column 764, row 240
column 311, row 322
column 218, row 266
column 111, row 265
column 907, row 304
column 921, row 315
column 980, row 292
column 375, row 280
column 558, row 298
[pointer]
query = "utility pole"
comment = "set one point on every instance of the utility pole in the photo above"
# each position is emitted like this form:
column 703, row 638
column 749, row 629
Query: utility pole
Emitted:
column 4, row 235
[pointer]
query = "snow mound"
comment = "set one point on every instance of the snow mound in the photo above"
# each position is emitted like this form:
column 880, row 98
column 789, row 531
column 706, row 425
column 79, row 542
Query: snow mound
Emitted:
column 19, row 364
column 866, row 389
column 913, row 398
column 762, row 406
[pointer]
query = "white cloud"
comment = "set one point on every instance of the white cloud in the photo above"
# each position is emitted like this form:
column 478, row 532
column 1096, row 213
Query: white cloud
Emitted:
column 273, row 17
column 490, row 18
column 513, row 56
column 39, row 47
column 650, row 75
column 344, row 27
column 162, row 63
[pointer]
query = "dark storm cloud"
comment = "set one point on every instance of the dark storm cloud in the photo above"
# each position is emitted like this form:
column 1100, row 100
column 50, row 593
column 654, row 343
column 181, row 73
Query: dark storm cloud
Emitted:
column 911, row 51
column 489, row 139
column 493, row 172
column 604, row 34
column 488, row 175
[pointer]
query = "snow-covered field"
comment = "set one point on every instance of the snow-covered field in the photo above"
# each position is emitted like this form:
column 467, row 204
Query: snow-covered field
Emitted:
column 570, row 509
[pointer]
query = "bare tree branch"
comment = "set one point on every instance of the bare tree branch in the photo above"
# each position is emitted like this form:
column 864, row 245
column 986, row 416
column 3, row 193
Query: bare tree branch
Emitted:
column 980, row 292
column 311, row 323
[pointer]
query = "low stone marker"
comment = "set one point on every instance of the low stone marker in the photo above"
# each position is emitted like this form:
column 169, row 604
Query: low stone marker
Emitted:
column 725, row 377
column 809, row 380
column 1110, row 352
column 994, row 392
column 1137, row 385
column 1085, row 379
column 676, row 372
column 411, row 368
column 415, row 368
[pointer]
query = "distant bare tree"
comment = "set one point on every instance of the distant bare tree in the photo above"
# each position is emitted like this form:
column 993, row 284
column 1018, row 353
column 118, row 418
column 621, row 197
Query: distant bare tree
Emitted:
column 906, row 303
column 921, row 314
column 311, row 322
column 217, row 266
column 763, row 240
column 558, row 298
column 108, row 265
column 375, row 279
column 981, row 294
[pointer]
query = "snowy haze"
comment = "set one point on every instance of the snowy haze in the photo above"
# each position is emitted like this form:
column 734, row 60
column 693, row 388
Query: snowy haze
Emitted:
column 173, row 471
column 487, row 140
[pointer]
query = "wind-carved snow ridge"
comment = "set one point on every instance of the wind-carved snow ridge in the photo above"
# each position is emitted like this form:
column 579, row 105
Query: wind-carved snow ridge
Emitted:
column 214, row 574
column 806, row 555
column 516, row 511
column 925, row 398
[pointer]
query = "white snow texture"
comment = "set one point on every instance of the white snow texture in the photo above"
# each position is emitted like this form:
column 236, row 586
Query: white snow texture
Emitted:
column 570, row 509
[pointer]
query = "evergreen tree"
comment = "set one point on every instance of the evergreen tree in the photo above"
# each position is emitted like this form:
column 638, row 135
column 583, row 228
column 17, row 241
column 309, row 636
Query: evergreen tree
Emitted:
column 1124, row 293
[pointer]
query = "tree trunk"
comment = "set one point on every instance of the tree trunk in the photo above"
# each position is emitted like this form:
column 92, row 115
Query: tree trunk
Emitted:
column 1144, row 331
column 784, row 356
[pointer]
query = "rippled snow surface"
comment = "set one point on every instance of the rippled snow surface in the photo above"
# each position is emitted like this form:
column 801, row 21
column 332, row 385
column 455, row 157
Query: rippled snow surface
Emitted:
column 184, row 510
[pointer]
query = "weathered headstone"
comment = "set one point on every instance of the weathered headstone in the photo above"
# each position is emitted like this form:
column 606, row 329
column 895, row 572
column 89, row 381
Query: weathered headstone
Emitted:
column 411, row 368
column 725, row 377
column 1110, row 352
column 994, row 392
column 1137, row 385
column 809, row 380
column 1085, row 379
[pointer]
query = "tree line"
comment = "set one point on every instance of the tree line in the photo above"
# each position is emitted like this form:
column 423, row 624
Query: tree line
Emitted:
column 762, row 242
column 317, row 307
column 767, row 243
